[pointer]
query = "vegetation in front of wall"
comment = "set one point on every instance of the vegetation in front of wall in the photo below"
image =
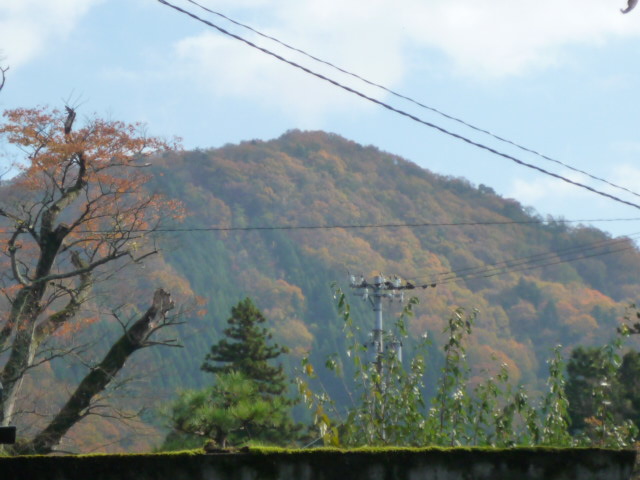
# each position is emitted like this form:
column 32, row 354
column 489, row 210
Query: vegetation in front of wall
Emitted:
column 247, row 401
column 602, row 382
column 389, row 406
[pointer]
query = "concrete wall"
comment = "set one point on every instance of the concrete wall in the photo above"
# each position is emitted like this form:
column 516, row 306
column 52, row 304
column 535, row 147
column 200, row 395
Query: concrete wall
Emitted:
column 383, row 464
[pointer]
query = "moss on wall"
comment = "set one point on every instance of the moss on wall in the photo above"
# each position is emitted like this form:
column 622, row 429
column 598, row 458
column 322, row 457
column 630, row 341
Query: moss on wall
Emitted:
column 321, row 464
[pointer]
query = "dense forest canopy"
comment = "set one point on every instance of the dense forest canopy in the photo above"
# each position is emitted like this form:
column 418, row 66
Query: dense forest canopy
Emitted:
column 569, row 284
column 575, row 296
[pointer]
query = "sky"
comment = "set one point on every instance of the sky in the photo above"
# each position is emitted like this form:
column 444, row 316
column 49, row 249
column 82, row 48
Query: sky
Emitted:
column 561, row 77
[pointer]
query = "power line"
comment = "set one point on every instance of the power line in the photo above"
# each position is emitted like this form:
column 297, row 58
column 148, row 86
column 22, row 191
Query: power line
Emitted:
column 398, row 111
column 523, row 263
column 357, row 226
column 389, row 225
column 538, row 257
column 415, row 102
column 490, row 273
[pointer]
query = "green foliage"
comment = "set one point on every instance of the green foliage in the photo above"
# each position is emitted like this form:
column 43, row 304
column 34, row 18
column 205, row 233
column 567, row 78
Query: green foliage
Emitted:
column 232, row 411
column 555, row 408
column 389, row 407
column 314, row 178
column 246, row 350
column 387, row 397
column 248, row 400
column 449, row 414
column 603, row 394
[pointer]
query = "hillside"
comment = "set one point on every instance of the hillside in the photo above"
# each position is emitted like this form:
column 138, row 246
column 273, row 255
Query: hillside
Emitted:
column 320, row 179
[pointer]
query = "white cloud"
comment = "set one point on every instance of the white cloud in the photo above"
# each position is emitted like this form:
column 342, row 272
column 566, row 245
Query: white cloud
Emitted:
column 502, row 37
column 27, row 26
column 228, row 68
column 374, row 38
column 552, row 195
column 627, row 175
column 480, row 37
column 345, row 33
column 545, row 190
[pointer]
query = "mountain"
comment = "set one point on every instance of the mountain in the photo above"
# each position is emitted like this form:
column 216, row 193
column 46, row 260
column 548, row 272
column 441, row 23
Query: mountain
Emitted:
column 535, row 282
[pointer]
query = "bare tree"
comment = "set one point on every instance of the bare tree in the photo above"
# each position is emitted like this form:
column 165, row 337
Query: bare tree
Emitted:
column 77, row 210
column 137, row 336
column 3, row 76
column 3, row 72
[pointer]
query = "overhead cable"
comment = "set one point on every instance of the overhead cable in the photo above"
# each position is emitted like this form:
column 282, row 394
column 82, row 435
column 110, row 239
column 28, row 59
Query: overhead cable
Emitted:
column 531, row 262
column 391, row 225
column 398, row 111
column 578, row 249
column 527, row 267
column 415, row 102
column 492, row 272
column 358, row 226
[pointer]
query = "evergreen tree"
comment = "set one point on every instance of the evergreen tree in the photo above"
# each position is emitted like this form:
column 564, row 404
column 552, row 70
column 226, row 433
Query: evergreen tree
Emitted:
column 246, row 350
column 231, row 411
column 248, row 400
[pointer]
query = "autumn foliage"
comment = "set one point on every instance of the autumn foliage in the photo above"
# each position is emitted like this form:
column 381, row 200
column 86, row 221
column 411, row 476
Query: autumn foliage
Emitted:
column 320, row 179
column 76, row 214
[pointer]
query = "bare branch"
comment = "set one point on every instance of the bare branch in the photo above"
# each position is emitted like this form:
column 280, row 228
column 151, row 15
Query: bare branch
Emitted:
column 55, row 321
column 68, row 123
column 135, row 338
column 79, row 205
column 50, row 214
column 81, row 271
column 4, row 213
column 3, row 77
column 13, row 249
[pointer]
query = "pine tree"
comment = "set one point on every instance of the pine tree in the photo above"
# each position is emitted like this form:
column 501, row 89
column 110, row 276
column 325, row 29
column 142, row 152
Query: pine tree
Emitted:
column 248, row 400
column 246, row 350
column 229, row 412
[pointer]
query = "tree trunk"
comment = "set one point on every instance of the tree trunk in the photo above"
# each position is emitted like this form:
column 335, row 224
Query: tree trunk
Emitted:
column 24, row 314
column 134, row 338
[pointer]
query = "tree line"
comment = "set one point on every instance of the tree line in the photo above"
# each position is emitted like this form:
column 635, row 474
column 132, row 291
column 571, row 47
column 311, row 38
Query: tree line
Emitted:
column 590, row 401
column 74, row 218
column 77, row 224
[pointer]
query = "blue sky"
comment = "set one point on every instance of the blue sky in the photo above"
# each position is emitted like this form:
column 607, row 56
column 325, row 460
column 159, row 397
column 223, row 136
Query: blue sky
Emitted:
column 559, row 76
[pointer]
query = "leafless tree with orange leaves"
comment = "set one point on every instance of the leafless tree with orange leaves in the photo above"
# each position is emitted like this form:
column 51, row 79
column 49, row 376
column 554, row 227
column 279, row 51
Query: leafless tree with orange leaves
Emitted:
column 77, row 210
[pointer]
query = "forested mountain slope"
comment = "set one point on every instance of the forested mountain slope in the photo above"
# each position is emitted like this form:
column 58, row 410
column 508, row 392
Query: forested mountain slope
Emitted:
column 320, row 179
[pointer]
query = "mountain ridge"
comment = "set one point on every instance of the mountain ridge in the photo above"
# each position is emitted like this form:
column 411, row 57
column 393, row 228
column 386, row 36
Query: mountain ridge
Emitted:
column 322, row 179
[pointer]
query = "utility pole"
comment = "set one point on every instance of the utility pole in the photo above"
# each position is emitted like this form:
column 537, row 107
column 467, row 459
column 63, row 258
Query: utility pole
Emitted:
column 374, row 292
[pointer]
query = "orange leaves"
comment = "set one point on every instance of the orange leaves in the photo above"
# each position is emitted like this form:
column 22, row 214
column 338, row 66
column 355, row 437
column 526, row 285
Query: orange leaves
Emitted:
column 201, row 302
column 295, row 334
column 25, row 126
column 487, row 361
column 102, row 143
column 164, row 275
column 525, row 314
column 68, row 329
column 79, row 204
column 95, row 173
